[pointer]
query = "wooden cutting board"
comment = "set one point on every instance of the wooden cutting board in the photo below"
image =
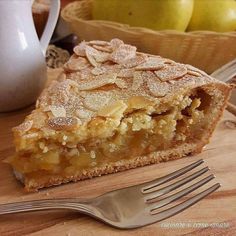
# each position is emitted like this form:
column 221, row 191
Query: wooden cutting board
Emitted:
column 215, row 215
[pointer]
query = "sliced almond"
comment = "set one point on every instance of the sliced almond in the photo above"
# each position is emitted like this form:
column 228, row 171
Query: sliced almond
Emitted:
column 115, row 43
column 102, row 57
column 171, row 72
column 84, row 113
column 194, row 69
column 148, row 74
column 194, row 73
column 157, row 88
column 112, row 68
column 113, row 110
column 74, row 76
column 103, row 49
column 98, row 70
column 137, row 80
column 95, row 101
column 98, row 81
column 151, row 63
column 96, row 57
column 133, row 62
column 123, row 53
column 85, row 74
column 76, row 64
column 73, row 103
column 80, row 49
column 92, row 60
column 58, row 111
column 99, row 42
column 121, row 83
column 80, row 76
column 63, row 123
column 126, row 73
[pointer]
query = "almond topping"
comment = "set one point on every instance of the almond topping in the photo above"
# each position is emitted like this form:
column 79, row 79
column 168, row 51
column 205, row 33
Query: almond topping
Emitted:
column 96, row 57
column 92, row 60
column 126, row 73
column 123, row 53
column 63, row 123
column 132, row 62
column 137, row 80
column 98, row 81
column 84, row 113
column 99, row 42
column 103, row 49
column 75, row 64
column 98, row 70
column 58, row 111
column 113, row 110
column 171, row 72
column 94, row 101
column 194, row 73
column 121, row 83
column 192, row 68
column 115, row 43
column 152, row 63
column 80, row 49
column 157, row 88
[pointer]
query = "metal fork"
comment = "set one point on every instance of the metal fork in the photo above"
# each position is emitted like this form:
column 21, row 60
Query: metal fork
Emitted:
column 130, row 207
column 226, row 72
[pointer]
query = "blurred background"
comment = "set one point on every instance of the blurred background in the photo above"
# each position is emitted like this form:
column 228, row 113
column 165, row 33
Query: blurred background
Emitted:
column 197, row 32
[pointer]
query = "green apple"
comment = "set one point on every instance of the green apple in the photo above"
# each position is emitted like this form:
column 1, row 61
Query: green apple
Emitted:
column 153, row 14
column 213, row 15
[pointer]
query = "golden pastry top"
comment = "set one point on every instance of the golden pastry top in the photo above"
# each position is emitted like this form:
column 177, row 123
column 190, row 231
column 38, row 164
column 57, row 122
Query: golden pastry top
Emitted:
column 106, row 79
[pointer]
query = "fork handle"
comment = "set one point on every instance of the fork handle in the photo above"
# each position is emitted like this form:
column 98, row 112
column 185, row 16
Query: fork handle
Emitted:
column 47, row 204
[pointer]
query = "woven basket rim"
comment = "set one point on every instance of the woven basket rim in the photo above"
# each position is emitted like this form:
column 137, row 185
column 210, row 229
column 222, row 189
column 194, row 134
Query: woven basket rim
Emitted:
column 125, row 27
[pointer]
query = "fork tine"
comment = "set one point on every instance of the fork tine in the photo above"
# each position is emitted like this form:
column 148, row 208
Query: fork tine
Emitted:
column 159, row 192
column 154, row 183
column 173, row 197
column 182, row 206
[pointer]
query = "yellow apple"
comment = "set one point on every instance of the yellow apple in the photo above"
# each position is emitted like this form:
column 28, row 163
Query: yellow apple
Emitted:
column 213, row 15
column 153, row 14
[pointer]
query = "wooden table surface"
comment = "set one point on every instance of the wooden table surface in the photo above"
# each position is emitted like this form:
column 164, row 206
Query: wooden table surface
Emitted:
column 215, row 215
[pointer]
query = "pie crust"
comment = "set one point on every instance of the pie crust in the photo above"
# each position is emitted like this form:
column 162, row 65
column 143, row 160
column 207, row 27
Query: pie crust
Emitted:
column 112, row 109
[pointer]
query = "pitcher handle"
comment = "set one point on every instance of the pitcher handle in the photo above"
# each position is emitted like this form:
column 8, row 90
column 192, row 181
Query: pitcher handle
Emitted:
column 50, row 26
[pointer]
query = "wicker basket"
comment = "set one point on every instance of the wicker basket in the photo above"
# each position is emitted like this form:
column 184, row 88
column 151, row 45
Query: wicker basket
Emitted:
column 205, row 50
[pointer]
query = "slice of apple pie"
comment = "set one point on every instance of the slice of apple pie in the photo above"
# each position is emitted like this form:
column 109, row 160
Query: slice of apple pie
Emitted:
column 113, row 109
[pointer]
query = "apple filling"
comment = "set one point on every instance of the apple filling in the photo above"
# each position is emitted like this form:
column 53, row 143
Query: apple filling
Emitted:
column 138, row 132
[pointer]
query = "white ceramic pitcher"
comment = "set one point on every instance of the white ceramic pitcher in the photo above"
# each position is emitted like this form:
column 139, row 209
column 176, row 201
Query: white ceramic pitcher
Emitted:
column 22, row 62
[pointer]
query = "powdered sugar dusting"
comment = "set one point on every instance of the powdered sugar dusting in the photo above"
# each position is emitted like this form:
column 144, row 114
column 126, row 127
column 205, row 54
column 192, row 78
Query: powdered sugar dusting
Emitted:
column 62, row 123
column 100, row 73
column 171, row 72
